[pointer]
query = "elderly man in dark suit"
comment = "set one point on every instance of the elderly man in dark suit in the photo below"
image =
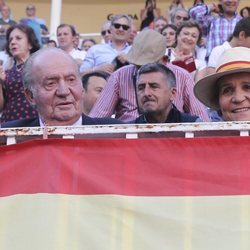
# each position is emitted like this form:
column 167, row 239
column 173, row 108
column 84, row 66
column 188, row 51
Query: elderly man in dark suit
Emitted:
column 53, row 85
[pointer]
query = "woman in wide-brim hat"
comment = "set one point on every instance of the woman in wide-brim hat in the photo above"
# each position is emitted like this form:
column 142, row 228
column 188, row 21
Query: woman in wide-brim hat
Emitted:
column 228, row 90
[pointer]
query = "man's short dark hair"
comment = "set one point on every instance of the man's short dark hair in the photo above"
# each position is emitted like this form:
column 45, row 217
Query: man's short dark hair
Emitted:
column 242, row 25
column 72, row 28
column 169, row 25
column 85, row 78
column 52, row 41
column 158, row 67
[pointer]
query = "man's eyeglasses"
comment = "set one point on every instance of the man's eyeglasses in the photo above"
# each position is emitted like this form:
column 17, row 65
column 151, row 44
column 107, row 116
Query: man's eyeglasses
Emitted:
column 118, row 26
column 30, row 8
column 104, row 32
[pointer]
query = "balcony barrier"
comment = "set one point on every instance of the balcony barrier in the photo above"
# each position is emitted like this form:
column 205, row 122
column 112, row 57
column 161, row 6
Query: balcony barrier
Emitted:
column 186, row 130
column 152, row 186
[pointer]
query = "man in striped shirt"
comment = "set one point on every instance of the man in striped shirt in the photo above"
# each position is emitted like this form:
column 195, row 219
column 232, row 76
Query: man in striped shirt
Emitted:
column 220, row 19
column 119, row 98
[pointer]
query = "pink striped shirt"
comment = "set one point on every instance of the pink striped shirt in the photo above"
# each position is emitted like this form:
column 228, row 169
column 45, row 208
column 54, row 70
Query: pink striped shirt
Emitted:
column 118, row 96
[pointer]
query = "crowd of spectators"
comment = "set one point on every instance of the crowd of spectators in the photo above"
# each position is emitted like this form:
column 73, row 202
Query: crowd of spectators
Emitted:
column 188, row 40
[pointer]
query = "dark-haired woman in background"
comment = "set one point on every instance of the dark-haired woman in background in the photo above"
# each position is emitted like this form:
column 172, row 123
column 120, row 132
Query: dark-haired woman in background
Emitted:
column 245, row 12
column 87, row 44
column 169, row 31
column 21, row 43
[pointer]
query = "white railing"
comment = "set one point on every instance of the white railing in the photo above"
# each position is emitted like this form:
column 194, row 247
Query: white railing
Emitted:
column 186, row 130
column 84, row 35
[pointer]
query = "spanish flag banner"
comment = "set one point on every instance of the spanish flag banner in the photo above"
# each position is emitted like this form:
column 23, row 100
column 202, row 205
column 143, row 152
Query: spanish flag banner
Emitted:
column 126, row 194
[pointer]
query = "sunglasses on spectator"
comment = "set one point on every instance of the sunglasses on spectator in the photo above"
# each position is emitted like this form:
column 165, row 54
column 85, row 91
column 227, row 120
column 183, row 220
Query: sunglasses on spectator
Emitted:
column 30, row 8
column 118, row 26
column 104, row 32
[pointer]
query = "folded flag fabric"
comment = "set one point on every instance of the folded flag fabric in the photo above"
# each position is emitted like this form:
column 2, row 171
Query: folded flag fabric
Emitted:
column 161, row 193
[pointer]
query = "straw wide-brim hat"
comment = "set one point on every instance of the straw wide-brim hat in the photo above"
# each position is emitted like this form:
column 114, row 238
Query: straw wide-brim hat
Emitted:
column 149, row 46
column 234, row 60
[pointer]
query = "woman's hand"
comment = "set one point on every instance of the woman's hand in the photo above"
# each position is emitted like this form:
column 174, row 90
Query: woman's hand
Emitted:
column 2, row 75
column 149, row 5
column 182, row 56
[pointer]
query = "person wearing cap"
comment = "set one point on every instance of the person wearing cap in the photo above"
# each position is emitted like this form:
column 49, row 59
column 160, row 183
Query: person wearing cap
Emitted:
column 156, row 90
column 228, row 89
column 118, row 96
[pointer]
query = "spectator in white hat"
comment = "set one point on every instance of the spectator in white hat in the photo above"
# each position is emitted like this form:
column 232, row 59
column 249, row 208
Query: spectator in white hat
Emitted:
column 228, row 89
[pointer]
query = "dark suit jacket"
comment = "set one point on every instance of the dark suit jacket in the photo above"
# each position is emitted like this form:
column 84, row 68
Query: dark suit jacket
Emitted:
column 174, row 116
column 34, row 122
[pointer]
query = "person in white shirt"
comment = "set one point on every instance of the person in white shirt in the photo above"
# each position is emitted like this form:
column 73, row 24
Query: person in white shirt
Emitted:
column 66, row 41
column 240, row 38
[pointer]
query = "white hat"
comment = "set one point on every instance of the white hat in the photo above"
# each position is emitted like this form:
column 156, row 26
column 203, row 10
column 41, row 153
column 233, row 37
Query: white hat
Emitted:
column 233, row 60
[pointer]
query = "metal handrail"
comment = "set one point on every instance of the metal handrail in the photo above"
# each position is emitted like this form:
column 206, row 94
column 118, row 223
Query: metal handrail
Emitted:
column 186, row 130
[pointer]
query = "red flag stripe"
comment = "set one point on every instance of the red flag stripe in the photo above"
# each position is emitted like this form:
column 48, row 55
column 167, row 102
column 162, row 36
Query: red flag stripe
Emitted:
column 141, row 167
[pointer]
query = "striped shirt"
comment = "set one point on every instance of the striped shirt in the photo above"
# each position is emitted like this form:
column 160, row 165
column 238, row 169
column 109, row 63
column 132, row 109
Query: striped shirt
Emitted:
column 220, row 27
column 118, row 97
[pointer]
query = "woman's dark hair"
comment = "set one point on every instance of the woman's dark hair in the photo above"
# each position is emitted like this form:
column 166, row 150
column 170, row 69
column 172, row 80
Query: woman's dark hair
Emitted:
column 29, row 32
column 169, row 25
column 190, row 24
column 245, row 8
column 173, row 27
column 89, row 40
column 148, row 1
column 199, row 1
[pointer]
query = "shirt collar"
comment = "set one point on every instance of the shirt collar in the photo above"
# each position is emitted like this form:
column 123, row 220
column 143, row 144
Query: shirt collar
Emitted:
column 222, row 15
column 124, row 47
column 77, row 123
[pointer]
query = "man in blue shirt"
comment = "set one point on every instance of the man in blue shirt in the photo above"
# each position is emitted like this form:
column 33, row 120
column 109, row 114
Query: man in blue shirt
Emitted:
column 101, row 56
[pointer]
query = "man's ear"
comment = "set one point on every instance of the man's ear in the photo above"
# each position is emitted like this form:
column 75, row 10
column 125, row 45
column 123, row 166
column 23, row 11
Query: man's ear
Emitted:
column 173, row 94
column 242, row 35
column 84, row 91
column 29, row 96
